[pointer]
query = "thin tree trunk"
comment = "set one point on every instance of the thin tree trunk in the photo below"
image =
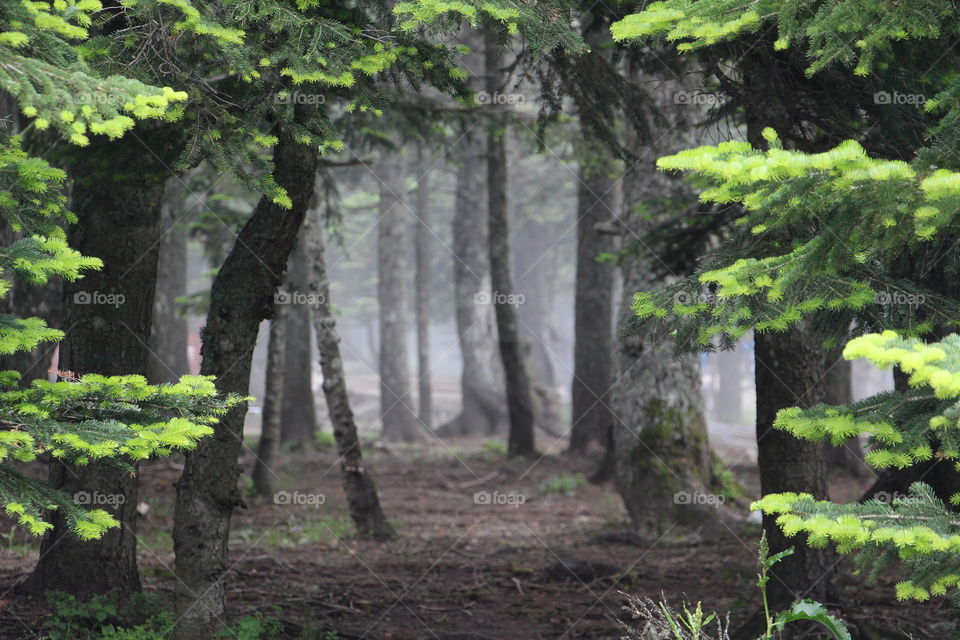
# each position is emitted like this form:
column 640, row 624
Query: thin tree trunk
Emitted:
column 482, row 378
column 240, row 299
column 591, row 419
column 107, row 317
column 298, row 422
column 520, row 441
column 399, row 419
column 359, row 487
column 168, row 339
column 274, row 391
column 789, row 373
column 423, row 284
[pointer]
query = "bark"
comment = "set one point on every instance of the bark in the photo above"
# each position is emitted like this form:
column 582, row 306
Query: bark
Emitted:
column 520, row 440
column 273, row 394
column 422, row 285
column 789, row 373
column 168, row 340
column 298, row 422
column 482, row 379
column 240, row 299
column 399, row 420
column 591, row 419
column 107, row 317
column 838, row 390
column 663, row 465
column 360, row 489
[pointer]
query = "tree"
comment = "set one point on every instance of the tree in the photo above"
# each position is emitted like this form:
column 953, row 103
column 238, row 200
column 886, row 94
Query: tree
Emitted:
column 399, row 420
column 241, row 298
column 298, row 422
column 423, row 280
column 270, row 425
column 361, row 491
column 893, row 216
column 482, row 385
column 117, row 420
column 520, row 439
column 593, row 377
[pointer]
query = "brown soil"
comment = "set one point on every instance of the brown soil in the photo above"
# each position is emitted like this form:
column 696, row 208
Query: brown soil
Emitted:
column 459, row 569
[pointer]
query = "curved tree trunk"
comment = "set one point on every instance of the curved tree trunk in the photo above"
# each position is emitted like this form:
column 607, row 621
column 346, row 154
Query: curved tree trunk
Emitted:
column 107, row 318
column 298, row 421
column 520, row 440
column 399, row 419
column 240, row 299
column 359, row 487
column 273, row 394
column 482, row 379
column 593, row 366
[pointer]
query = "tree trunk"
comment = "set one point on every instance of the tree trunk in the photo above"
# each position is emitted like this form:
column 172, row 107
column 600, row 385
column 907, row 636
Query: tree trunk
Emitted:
column 273, row 394
column 482, row 379
column 423, row 283
column 168, row 340
column 107, row 318
column 298, row 422
column 663, row 462
column 399, row 420
column 789, row 373
column 520, row 441
column 359, row 487
column 838, row 390
column 240, row 299
column 590, row 418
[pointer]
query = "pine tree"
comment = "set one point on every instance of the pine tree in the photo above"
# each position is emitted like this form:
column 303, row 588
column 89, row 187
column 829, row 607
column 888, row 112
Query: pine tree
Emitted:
column 847, row 241
column 114, row 419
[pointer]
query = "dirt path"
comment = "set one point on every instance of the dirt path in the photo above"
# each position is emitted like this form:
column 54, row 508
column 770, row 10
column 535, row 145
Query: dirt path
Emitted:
column 458, row 569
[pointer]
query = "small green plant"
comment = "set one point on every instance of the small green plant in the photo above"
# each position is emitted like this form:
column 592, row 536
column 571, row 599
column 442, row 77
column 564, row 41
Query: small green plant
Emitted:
column 496, row 448
column 142, row 618
column 661, row 621
column 564, row 483
column 324, row 440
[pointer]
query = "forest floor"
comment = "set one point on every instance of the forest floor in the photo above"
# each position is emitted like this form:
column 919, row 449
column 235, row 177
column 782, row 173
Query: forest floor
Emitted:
column 458, row 569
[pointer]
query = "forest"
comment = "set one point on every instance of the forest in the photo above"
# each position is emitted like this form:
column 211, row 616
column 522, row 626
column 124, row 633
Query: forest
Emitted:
column 479, row 319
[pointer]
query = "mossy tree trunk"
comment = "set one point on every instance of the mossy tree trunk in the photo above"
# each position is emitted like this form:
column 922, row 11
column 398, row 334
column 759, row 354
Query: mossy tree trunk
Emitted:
column 664, row 468
column 241, row 298
column 107, row 315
